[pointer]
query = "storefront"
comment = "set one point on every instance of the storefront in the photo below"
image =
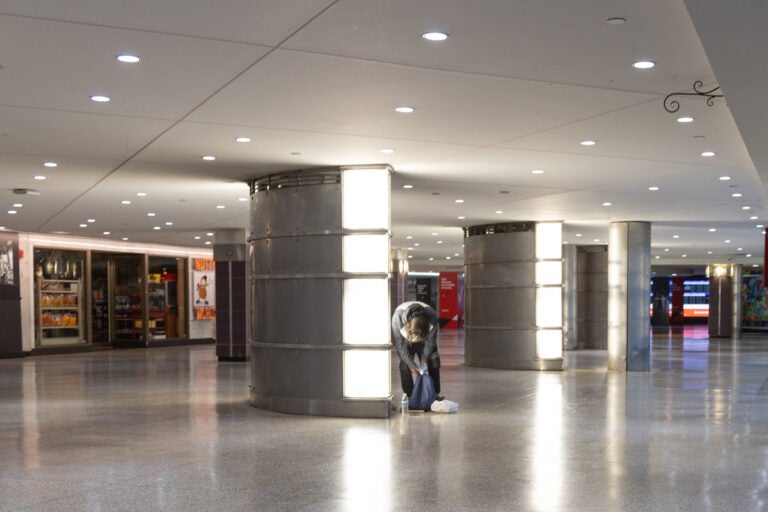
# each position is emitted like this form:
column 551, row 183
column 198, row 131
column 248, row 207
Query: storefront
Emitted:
column 90, row 293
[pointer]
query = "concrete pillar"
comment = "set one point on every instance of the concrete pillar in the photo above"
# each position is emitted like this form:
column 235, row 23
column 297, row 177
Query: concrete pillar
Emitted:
column 511, row 300
column 319, row 277
column 230, row 253
column 629, row 272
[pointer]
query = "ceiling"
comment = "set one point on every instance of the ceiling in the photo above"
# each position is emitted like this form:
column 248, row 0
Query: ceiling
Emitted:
column 515, row 87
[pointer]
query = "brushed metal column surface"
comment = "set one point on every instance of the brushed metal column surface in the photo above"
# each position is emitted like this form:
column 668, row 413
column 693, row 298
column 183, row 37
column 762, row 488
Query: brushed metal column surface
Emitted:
column 736, row 273
column 570, row 295
column 500, row 298
column 592, row 297
column 629, row 248
column 296, row 291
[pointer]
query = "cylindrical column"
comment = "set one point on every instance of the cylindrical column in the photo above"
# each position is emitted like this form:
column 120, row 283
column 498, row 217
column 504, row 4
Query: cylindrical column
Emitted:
column 629, row 272
column 319, row 278
column 513, row 296
column 570, row 294
column 724, row 300
column 230, row 254
column 736, row 271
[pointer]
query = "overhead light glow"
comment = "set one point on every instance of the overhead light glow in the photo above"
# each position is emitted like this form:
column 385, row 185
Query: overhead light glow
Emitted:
column 653, row 189
column 708, row 153
column 537, row 171
column 128, row 58
column 141, row 194
column 724, row 178
column 125, row 201
column 209, row 158
column 685, row 119
column 408, row 187
column 588, row 143
column 40, row 178
column 736, row 194
column 243, row 139
column 435, row 36
column 220, row 206
column 100, row 98
column 386, row 151
column 404, row 110
column 151, row 214
column 643, row 64
column 50, row 164
column 607, row 204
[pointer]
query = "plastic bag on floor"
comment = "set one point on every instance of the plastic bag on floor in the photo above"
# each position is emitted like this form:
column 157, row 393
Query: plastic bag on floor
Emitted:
column 444, row 406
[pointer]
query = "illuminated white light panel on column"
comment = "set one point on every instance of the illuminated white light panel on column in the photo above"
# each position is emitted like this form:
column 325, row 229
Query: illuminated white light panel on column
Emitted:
column 549, row 290
column 365, row 309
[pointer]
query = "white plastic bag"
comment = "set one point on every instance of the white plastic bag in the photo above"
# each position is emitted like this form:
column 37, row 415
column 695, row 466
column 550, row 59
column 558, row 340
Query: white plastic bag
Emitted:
column 444, row 406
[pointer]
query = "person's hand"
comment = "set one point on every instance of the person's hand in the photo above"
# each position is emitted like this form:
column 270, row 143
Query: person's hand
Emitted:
column 414, row 370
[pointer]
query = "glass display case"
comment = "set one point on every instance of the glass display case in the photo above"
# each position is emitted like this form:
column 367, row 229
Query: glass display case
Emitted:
column 59, row 318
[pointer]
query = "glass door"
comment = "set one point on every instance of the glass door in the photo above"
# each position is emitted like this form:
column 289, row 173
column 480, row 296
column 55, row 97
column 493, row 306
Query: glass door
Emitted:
column 128, row 298
column 100, row 324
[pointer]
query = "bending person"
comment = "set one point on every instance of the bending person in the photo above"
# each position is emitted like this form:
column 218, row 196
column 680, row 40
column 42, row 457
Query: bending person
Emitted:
column 414, row 333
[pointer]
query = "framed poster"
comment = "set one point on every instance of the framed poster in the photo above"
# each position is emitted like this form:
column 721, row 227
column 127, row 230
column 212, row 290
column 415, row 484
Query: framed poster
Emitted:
column 204, row 289
column 9, row 265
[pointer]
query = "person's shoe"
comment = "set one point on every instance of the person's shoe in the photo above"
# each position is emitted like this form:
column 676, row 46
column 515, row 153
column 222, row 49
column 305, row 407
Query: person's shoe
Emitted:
column 440, row 397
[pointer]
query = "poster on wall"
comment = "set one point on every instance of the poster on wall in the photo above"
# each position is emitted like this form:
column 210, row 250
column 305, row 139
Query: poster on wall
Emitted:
column 9, row 265
column 450, row 316
column 204, row 289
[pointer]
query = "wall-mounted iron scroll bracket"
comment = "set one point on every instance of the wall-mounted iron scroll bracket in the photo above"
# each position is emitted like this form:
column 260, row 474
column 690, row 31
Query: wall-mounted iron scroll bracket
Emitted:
column 671, row 105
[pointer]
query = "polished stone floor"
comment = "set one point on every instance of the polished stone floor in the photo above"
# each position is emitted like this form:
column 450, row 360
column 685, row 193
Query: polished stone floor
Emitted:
column 170, row 429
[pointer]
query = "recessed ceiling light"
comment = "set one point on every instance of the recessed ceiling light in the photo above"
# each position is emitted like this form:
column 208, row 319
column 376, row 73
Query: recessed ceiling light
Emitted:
column 387, row 151
column 727, row 241
column 50, row 164
column 128, row 58
column 666, row 250
column 675, row 236
column 746, row 207
column 416, row 244
column 83, row 225
column 107, row 233
column 434, row 234
column 657, row 257
column 712, row 230
column 653, row 189
column 151, row 214
column 100, row 98
column 708, row 153
column 12, row 212
column 578, row 235
column 439, row 241
column 683, row 255
column 754, row 217
column 243, row 139
column 685, row 119
column 643, row 64
column 431, row 259
column 739, row 248
column 499, row 212
column 616, row 20
column 410, row 256
column 220, row 206
column 409, row 237
column 435, row 36
column 17, row 205
column 207, row 242
column 209, row 158
column 242, row 198
column 141, row 194
column 125, row 201
column 537, row 171
column 447, row 257
column 607, row 204
column 197, row 238
column 169, row 223
column 461, row 217
column 404, row 110
column 709, row 252
column 210, row 233
column 91, row 220
column 40, row 178
column 596, row 240
column 124, row 239
column 736, row 194
column 458, row 201
column 588, row 143
column 408, row 186
column 157, row 228
column 759, row 226
column 724, row 178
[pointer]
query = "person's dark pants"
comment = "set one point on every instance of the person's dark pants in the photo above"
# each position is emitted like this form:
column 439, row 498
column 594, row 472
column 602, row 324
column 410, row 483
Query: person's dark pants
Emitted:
column 433, row 365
